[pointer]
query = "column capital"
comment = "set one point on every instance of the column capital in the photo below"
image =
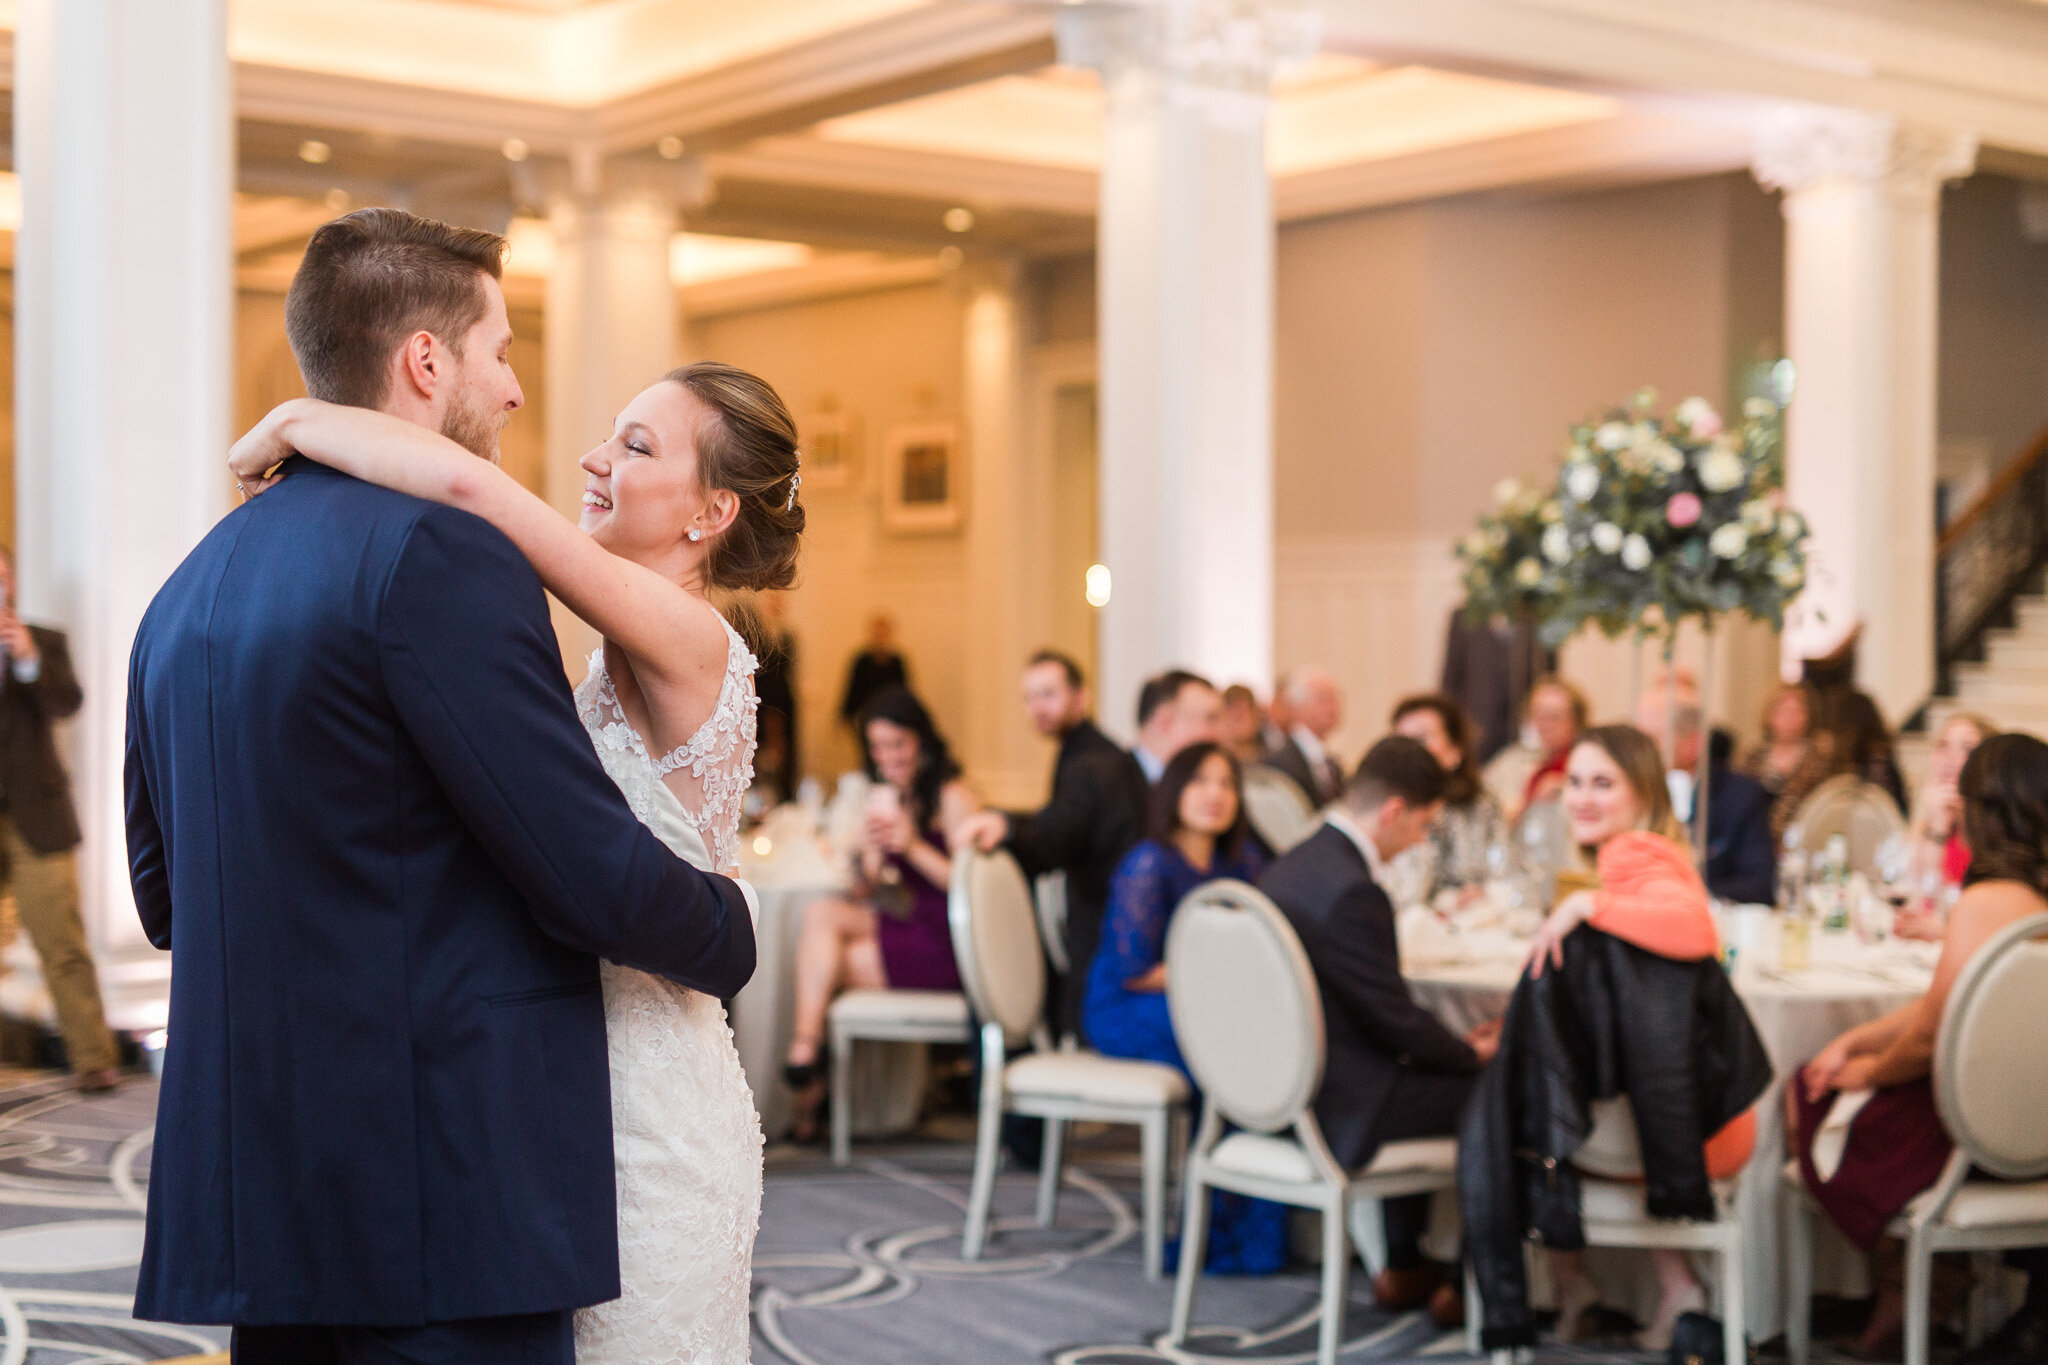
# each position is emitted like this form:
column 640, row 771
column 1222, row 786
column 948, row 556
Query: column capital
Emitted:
column 1233, row 45
column 588, row 176
column 1799, row 150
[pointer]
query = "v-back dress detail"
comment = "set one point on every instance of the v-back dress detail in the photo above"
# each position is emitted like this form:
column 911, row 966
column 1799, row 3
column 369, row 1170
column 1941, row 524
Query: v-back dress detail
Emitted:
column 687, row 1137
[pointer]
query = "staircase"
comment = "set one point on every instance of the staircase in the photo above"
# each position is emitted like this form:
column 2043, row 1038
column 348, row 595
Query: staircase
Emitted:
column 2010, row 687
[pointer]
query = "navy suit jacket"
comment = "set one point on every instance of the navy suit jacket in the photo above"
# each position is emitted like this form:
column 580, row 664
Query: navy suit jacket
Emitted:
column 364, row 818
column 1742, row 858
column 1372, row 1026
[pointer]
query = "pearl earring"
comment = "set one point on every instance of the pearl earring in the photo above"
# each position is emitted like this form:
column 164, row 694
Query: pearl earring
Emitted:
column 696, row 534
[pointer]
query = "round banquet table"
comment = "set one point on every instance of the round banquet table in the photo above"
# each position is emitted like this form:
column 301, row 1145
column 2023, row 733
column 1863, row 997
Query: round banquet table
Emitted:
column 787, row 874
column 1465, row 978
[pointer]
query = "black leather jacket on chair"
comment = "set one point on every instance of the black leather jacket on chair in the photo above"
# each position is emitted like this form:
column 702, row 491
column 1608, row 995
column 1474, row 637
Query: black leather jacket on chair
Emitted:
column 1614, row 1020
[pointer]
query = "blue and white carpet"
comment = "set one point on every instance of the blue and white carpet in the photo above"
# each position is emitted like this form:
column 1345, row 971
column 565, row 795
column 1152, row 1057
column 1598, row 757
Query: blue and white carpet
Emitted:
column 854, row 1266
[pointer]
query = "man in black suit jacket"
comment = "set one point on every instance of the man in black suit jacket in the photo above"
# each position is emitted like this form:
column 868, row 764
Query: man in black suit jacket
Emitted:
column 366, row 821
column 39, row 833
column 1316, row 705
column 1742, row 857
column 1393, row 1072
column 1095, row 815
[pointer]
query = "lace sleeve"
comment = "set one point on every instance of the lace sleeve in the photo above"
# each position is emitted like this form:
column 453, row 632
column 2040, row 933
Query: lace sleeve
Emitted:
column 1140, row 899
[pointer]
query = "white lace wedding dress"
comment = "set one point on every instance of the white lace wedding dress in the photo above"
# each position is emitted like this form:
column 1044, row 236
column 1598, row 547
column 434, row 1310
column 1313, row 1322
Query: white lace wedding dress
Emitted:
column 687, row 1137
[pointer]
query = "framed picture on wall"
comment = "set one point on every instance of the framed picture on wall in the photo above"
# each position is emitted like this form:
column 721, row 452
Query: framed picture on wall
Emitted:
column 921, row 477
column 827, row 440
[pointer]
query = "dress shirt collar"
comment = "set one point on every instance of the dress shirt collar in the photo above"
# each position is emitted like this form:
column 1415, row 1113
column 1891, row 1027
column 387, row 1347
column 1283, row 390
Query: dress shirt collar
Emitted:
column 1152, row 763
column 1311, row 748
column 1342, row 822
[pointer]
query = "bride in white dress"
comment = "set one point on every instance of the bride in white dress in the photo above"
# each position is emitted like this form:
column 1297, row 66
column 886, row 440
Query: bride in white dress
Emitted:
column 695, row 489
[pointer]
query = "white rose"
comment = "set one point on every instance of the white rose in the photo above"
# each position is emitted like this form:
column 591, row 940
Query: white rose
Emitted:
column 1606, row 537
column 1666, row 457
column 1759, row 516
column 1582, row 481
column 1552, row 510
column 1791, row 526
column 1692, row 412
column 1476, row 545
column 1613, row 435
column 1720, row 470
column 1759, row 408
column 1635, row 554
column 1557, row 545
column 1788, row 574
column 1528, row 573
column 1729, row 541
column 1506, row 491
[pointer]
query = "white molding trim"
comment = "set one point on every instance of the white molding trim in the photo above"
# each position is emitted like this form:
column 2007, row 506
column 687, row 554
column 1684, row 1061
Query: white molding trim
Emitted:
column 1927, row 61
column 894, row 171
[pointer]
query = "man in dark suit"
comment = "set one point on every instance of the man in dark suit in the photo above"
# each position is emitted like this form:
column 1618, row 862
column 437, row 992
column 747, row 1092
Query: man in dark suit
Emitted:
column 1393, row 1072
column 1095, row 815
column 39, row 834
column 1742, row 857
column 365, row 819
column 1315, row 705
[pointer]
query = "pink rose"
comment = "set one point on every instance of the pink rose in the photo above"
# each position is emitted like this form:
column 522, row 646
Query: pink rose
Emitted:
column 1683, row 510
column 1708, row 425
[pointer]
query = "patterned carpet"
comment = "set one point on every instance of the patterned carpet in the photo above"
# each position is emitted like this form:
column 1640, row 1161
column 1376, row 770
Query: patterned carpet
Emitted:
column 854, row 1266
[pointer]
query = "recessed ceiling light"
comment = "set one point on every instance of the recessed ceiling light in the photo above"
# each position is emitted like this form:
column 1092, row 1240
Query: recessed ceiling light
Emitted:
column 959, row 219
column 514, row 149
column 669, row 148
column 338, row 200
column 314, row 152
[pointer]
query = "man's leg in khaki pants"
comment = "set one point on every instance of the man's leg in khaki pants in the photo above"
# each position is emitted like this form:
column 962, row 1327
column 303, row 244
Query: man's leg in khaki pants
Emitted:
column 46, row 895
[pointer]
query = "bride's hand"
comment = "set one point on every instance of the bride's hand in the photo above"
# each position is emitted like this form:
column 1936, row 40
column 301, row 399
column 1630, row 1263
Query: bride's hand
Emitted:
column 1547, row 947
column 254, row 459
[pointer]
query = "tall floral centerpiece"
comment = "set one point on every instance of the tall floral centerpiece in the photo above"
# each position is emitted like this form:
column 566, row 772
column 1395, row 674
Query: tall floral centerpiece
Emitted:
column 1655, row 519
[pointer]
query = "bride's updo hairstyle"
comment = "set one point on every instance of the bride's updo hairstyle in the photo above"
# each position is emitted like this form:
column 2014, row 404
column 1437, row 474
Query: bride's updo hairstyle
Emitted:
column 746, row 444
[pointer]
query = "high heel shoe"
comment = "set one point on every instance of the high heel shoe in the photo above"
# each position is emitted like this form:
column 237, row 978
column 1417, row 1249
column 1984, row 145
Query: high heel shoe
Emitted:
column 1574, row 1300
column 1657, row 1336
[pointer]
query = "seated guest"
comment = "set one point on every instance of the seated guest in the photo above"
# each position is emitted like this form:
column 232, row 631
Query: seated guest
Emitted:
column 1896, row 1146
column 1196, row 833
column 891, row 930
column 1471, row 824
column 1175, row 709
column 1392, row 1071
column 1647, row 894
column 1317, row 707
column 1095, row 815
column 1849, row 736
column 1788, row 722
column 1742, row 858
column 1941, row 855
column 1533, row 770
column 1244, row 724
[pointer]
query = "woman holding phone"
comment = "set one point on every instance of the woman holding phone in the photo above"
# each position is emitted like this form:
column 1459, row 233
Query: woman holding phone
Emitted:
column 890, row 930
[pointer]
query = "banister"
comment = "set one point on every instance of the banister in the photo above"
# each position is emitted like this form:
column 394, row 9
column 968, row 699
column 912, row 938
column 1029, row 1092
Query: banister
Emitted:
column 2000, row 488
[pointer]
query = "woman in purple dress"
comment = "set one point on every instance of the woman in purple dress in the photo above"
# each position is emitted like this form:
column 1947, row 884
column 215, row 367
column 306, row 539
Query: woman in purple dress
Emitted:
column 890, row 931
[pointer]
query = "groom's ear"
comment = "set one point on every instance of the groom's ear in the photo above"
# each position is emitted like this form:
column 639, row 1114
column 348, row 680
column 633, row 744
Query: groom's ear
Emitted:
column 419, row 368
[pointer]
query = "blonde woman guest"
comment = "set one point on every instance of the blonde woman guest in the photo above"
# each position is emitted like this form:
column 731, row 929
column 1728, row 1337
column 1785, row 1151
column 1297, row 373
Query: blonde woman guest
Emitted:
column 1941, row 852
column 1643, row 889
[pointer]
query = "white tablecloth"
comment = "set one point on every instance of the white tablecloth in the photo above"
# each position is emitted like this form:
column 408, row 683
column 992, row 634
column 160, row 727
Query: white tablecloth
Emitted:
column 888, row 1081
column 1465, row 979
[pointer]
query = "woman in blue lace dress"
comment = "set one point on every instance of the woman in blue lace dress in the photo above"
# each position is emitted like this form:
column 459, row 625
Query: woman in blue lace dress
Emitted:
column 1196, row 834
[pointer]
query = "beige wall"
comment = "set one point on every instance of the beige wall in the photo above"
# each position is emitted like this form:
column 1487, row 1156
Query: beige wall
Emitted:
column 1427, row 352
column 1993, row 394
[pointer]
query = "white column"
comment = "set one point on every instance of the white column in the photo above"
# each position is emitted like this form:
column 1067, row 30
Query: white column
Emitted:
column 1862, row 202
column 612, row 323
column 1185, row 279
column 123, row 137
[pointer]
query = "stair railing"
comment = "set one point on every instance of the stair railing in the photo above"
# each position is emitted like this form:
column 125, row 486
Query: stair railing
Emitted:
column 1987, row 555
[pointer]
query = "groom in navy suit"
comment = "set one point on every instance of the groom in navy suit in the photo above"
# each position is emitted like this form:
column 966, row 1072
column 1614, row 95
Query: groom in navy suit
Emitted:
column 363, row 816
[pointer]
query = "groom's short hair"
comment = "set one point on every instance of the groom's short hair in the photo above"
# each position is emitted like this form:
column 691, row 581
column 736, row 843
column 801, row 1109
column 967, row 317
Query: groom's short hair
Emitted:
column 371, row 279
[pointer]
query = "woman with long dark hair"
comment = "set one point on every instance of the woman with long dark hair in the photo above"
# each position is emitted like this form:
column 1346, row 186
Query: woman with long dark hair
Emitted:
column 1197, row 833
column 1896, row 1146
column 891, row 930
column 1455, row 855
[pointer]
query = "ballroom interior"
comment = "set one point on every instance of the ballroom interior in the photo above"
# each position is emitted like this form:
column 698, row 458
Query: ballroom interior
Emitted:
column 1223, row 320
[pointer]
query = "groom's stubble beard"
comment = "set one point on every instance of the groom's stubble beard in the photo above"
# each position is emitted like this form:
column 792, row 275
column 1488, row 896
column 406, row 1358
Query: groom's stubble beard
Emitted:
column 475, row 428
